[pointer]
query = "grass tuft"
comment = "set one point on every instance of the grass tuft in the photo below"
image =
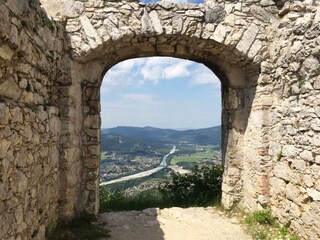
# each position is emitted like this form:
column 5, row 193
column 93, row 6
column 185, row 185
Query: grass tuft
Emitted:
column 261, row 225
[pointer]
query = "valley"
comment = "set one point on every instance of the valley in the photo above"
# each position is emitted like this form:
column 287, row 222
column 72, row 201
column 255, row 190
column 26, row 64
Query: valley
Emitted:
column 127, row 151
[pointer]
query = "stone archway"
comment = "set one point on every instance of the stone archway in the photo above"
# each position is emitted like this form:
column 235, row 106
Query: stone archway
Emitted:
column 50, row 73
column 230, row 45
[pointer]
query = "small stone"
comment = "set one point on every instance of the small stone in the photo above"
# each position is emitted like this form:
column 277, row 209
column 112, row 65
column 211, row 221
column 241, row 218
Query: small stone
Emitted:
column 290, row 151
column 4, row 188
column 10, row 89
column 307, row 155
column 315, row 125
column 4, row 114
column 292, row 192
column 255, row 48
column 92, row 36
column 177, row 24
column 314, row 194
column 17, row 115
column 281, row 170
column 20, row 182
column 155, row 21
column 220, row 33
column 194, row 13
column 307, row 179
column 6, row 53
column 316, row 83
column 146, row 22
column 300, row 165
column 4, row 146
column 248, row 38
column 310, row 66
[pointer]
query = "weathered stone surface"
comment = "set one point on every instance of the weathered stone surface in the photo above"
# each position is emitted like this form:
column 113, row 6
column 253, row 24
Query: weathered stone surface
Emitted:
column 314, row 194
column 281, row 170
column 10, row 89
column 18, row 7
column 4, row 114
column 292, row 192
column 6, row 53
column 49, row 112
column 92, row 36
column 214, row 14
column 155, row 21
column 220, row 33
column 248, row 38
column 146, row 22
column 290, row 151
column 307, row 155
column 307, row 179
column 4, row 146
column 60, row 8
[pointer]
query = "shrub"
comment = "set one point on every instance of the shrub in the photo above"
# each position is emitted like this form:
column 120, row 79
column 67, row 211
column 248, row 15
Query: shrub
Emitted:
column 118, row 201
column 264, row 217
column 199, row 188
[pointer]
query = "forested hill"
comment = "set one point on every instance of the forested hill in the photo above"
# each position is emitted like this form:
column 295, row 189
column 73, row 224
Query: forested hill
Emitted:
column 151, row 135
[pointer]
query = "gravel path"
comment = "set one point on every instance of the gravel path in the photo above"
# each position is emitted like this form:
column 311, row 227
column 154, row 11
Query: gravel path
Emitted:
column 173, row 224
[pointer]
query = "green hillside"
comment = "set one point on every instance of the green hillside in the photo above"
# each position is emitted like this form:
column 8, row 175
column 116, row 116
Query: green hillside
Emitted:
column 149, row 136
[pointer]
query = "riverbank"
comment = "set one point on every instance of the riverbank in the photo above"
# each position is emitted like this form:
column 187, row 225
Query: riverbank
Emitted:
column 147, row 173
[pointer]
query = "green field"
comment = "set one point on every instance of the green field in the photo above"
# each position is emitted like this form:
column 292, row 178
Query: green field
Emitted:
column 193, row 158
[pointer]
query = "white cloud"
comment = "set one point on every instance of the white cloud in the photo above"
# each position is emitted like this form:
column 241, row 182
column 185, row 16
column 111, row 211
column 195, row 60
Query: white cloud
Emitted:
column 121, row 75
column 156, row 69
column 137, row 72
column 204, row 76
column 178, row 70
column 152, row 73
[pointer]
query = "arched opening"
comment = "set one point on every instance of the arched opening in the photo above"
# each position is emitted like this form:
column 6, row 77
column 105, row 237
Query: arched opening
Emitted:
column 237, row 85
column 160, row 116
column 230, row 55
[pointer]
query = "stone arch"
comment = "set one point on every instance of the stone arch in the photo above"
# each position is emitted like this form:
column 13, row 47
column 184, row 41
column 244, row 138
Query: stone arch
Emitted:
column 49, row 100
column 229, row 43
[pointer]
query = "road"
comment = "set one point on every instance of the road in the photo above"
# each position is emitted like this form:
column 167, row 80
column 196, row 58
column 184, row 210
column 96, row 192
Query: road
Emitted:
column 162, row 165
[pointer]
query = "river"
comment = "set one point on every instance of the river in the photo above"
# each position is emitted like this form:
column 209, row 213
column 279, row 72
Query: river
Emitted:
column 162, row 165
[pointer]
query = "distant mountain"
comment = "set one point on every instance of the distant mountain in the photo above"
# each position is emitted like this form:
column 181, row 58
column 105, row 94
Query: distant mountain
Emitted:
column 156, row 136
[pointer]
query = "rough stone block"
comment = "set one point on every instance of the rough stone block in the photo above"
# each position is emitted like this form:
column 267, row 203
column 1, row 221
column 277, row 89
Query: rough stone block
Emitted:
column 10, row 89
column 4, row 114
column 248, row 38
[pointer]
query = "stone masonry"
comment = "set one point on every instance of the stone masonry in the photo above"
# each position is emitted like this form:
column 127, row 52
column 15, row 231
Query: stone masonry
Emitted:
column 53, row 55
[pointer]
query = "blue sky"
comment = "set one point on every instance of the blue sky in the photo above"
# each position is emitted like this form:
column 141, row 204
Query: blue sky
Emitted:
column 160, row 92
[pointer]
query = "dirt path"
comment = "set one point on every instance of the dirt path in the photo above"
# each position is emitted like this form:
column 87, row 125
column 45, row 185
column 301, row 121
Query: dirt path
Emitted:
column 173, row 224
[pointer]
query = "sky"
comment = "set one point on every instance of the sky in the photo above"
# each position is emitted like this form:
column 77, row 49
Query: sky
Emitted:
column 160, row 92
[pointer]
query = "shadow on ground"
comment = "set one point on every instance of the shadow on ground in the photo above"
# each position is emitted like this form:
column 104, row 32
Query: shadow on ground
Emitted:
column 173, row 224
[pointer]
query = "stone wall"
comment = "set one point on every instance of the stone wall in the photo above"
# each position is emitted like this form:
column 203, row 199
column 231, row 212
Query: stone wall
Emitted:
column 248, row 45
column 265, row 53
column 31, row 53
column 294, row 135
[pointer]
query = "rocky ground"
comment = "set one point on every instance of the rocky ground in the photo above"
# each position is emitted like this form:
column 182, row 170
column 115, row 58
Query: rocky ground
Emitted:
column 173, row 224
